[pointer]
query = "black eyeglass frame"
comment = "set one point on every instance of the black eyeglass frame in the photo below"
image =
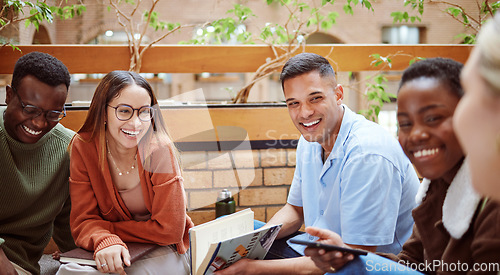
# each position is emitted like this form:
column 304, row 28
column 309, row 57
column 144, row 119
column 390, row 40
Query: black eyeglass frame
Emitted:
column 152, row 111
column 39, row 110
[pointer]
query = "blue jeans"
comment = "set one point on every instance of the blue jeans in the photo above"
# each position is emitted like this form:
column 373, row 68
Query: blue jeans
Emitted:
column 374, row 264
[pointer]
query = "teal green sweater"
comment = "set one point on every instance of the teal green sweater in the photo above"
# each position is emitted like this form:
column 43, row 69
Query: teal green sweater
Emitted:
column 34, row 195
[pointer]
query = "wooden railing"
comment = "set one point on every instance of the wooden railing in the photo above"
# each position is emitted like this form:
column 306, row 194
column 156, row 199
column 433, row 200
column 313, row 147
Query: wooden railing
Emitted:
column 217, row 59
column 261, row 126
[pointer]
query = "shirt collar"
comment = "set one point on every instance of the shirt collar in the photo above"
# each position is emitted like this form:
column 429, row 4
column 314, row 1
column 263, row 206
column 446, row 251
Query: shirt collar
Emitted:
column 345, row 129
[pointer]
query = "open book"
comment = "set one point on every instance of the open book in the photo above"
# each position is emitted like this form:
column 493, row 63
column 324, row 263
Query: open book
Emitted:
column 219, row 243
column 85, row 257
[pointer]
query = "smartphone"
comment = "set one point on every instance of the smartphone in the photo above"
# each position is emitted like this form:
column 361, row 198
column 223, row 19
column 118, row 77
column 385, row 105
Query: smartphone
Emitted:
column 329, row 247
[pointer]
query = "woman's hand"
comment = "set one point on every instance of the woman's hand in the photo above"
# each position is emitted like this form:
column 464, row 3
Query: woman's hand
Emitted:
column 56, row 255
column 7, row 267
column 327, row 261
column 109, row 259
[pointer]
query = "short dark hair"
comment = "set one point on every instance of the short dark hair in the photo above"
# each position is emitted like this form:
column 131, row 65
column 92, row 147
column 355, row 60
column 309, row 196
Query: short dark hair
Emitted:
column 304, row 63
column 44, row 67
column 443, row 69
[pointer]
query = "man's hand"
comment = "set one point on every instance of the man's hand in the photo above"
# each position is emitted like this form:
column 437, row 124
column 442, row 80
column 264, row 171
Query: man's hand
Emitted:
column 56, row 255
column 6, row 267
column 290, row 266
column 327, row 261
column 241, row 267
column 109, row 259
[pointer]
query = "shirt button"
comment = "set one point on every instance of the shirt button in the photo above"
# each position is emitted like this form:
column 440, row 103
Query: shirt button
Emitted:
column 321, row 212
column 311, row 238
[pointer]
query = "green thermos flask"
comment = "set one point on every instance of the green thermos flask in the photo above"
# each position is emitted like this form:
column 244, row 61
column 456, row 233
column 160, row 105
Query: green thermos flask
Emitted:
column 225, row 204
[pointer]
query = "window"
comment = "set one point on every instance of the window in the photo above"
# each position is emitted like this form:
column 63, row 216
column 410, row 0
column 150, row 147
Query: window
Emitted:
column 402, row 35
column 397, row 35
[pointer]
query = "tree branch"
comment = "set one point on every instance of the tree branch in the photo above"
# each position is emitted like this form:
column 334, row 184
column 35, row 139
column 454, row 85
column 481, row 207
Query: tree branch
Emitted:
column 460, row 7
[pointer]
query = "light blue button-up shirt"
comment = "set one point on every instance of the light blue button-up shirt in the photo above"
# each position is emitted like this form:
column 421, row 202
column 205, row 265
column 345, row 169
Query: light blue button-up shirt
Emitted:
column 365, row 191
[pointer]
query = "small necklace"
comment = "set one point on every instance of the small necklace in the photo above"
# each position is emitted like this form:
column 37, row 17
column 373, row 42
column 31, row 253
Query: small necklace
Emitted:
column 116, row 166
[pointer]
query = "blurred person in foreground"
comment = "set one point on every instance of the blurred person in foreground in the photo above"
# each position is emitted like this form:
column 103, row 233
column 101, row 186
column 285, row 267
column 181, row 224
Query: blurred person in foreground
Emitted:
column 477, row 121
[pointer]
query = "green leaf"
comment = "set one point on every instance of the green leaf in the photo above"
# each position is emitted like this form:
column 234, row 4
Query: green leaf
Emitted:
column 467, row 38
column 312, row 21
column 325, row 25
column 333, row 16
column 396, row 16
column 416, row 59
column 454, row 11
column 421, row 7
column 348, row 9
column 400, row 16
column 465, row 18
column 14, row 47
column 367, row 4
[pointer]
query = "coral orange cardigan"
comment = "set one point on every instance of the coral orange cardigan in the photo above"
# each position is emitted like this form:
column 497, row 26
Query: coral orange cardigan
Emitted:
column 99, row 218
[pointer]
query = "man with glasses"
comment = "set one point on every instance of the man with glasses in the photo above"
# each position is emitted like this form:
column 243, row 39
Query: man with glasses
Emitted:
column 34, row 168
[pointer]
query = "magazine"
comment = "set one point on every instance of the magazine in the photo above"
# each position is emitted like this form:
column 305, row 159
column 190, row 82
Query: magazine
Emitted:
column 219, row 243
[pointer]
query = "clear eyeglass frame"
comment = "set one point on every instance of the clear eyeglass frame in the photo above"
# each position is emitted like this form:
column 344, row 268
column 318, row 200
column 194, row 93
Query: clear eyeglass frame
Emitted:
column 124, row 112
column 34, row 111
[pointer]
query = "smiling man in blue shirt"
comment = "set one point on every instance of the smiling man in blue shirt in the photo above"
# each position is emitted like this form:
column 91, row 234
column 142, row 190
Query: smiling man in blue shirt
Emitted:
column 351, row 176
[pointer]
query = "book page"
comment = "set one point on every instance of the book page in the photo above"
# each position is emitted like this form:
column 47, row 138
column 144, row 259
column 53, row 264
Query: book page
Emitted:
column 224, row 228
column 252, row 245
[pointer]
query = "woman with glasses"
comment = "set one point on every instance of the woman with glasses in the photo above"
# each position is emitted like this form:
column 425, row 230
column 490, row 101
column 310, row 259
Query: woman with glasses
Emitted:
column 126, row 184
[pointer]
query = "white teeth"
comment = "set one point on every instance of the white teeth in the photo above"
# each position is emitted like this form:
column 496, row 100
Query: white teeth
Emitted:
column 35, row 133
column 311, row 123
column 426, row 152
column 131, row 133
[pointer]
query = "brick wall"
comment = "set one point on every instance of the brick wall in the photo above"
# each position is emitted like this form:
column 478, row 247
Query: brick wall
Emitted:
column 362, row 27
column 264, row 177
